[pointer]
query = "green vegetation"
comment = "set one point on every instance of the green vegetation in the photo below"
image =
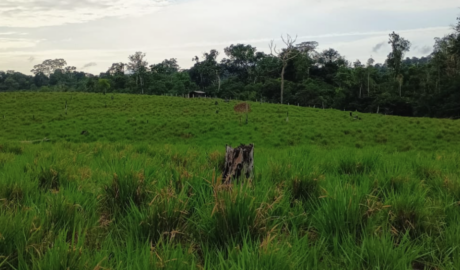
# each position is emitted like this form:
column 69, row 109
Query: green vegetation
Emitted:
column 173, row 120
column 297, row 73
column 133, row 183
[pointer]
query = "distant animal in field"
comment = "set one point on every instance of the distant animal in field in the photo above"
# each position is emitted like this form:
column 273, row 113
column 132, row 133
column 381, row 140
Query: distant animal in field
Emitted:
column 84, row 132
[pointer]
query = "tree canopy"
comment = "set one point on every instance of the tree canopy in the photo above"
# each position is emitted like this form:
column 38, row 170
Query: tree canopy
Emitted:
column 296, row 74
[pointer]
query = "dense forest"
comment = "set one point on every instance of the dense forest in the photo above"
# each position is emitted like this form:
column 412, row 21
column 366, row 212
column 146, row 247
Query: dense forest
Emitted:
column 296, row 74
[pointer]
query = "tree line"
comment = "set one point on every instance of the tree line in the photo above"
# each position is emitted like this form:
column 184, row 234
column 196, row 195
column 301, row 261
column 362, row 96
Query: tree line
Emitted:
column 297, row 74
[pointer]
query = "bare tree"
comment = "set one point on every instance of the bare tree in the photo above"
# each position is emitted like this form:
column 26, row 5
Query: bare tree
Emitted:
column 285, row 55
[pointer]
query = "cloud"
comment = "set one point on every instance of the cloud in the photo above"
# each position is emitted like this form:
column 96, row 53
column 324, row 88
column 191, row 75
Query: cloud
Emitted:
column 39, row 13
column 390, row 5
column 91, row 64
column 107, row 31
column 425, row 50
column 362, row 48
column 302, row 38
column 12, row 33
column 17, row 43
column 378, row 47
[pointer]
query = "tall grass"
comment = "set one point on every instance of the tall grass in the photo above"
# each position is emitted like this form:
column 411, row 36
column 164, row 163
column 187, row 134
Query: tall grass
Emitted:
column 121, row 208
column 132, row 195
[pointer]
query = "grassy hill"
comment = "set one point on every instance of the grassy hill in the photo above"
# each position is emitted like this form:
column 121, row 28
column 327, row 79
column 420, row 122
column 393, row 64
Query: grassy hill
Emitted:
column 141, row 190
column 160, row 120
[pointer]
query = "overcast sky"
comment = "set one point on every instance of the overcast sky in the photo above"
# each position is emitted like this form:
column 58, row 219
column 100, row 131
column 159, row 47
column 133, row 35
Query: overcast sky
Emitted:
column 93, row 34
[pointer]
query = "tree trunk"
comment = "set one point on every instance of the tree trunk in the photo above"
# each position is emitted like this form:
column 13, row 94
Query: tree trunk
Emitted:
column 282, row 81
column 218, row 81
column 360, row 90
column 142, row 84
column 238, row 162
column 400, row 79
column 201, row 81
column 368, row 84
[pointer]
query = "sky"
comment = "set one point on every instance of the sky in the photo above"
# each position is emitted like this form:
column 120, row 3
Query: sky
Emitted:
column 93, row 34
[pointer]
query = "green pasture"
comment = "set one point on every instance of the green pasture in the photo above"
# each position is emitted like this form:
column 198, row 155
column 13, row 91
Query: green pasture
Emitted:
column 141, row 187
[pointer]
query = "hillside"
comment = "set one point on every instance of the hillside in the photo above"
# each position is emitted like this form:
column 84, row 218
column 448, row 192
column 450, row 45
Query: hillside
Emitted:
column 161, row 120
column 142, row 190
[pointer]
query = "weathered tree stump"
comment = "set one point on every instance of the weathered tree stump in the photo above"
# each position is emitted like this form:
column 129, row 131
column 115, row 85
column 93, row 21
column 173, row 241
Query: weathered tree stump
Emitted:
column 238, row 162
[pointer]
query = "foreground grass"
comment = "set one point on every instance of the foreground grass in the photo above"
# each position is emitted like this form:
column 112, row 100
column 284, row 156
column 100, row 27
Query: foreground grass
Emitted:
column 123, row 206
column 152, row 199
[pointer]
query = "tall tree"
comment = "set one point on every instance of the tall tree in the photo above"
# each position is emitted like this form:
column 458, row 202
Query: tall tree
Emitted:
column 285, row 55
column 328, row 64
column 207, row 71
column 167, row 67
column 138, row 66
column 399, row 46
column 70, row 71
column 49, row 66
column 117, row 68
column 308, row 52
column 369, row 66
column 358, row 76
column 242, row 60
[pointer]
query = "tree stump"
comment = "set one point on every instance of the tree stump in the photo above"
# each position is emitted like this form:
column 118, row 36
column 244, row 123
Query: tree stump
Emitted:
column 238, row 162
